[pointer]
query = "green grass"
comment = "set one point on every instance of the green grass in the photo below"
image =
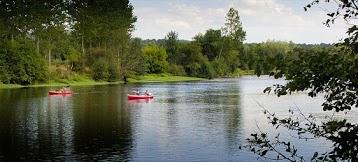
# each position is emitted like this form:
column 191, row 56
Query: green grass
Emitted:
column 3, row 86
column 80, row 83
column 139, row 79
column 162, row 78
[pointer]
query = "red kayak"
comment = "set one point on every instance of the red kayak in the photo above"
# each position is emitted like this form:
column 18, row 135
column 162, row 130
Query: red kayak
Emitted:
column 59, row 92
column 139, row 96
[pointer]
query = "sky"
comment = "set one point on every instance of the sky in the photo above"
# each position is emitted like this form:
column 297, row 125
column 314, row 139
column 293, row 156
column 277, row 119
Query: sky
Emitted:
column 263, row 20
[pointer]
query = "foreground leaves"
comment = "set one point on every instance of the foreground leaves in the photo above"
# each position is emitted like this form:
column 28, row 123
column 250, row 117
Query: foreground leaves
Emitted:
column 342, row 134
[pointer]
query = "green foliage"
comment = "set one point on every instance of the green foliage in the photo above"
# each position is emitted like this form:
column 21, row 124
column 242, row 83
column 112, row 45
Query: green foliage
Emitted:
column 20, row 63
column 113, row 74
column 73, row 55
column 156, row 58
column 133, row 61
column 75, row 32
column 94, row 54
column 176, row 70
column 321, row 70
column 342, row 134
column 263, row 57
column 100, row 70
column 221, row 67
column 233, row 27
column 211, row 43
column 172, row 47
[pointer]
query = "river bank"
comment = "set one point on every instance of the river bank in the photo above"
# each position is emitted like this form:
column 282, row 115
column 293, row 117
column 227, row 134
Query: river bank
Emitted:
column 140, row 79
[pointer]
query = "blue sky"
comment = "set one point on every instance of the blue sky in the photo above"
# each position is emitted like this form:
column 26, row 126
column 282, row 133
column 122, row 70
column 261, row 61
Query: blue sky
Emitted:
column 263, row 20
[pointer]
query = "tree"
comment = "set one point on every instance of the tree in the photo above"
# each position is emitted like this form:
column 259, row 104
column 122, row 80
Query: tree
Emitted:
column 233, row 27
column 133, row 62
column 156, row 58
column 171, row 43
column 233, row 37
column 211, row 43
column 194, row 62
column 331, row 71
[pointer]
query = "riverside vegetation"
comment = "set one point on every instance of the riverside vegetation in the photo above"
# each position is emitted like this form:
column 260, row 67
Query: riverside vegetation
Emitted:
column 85, row 41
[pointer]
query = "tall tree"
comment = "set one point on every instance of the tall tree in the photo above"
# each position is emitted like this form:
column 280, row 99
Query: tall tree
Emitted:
column 232, row 32
column 171, row 42
column 233, row 37
column 233, row 27
column 133, row 61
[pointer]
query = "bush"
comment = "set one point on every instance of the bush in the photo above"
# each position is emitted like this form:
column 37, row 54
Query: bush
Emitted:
column 177, row 70
column 100, row 70
column 113, row 74
column 21, row 64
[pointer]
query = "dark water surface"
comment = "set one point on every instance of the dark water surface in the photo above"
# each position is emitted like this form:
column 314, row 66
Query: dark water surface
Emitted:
column 189, row 121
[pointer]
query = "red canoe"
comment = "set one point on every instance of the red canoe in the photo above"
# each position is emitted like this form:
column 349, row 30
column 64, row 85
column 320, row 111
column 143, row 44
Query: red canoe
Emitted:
column 139, row 96
column 59, row 92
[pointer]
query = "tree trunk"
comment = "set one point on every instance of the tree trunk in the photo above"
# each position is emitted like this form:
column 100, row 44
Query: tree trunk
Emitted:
column 222, row 46
column 49, row 63
column 49, row 57
column 125, row 79
column 38, row 44
column 83, row 45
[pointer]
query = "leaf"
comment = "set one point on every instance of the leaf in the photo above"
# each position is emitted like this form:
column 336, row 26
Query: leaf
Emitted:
column 264, row 152
column 314, row 155
column 267, row 89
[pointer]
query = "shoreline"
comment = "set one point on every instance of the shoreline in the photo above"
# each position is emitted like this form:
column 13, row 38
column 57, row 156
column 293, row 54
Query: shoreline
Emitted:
column 152, row 78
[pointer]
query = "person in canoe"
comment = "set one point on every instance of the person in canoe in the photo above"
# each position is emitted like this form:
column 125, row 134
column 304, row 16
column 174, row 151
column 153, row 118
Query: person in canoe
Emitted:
column 147, row 93
column 136, row 92
column 63, row 89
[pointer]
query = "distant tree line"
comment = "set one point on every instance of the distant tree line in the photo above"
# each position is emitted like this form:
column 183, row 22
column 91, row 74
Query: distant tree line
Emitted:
column 62, row 41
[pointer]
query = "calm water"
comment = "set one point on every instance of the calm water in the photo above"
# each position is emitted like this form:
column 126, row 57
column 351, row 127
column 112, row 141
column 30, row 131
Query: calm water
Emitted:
column 190, row 121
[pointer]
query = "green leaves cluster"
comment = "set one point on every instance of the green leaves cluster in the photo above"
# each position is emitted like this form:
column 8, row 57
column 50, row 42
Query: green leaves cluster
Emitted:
column 156, row 58
column 342, row 134
column 20, row 64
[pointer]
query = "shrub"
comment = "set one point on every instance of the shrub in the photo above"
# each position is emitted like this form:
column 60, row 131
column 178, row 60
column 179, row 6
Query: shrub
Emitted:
column 177, row 70
column 100, row 70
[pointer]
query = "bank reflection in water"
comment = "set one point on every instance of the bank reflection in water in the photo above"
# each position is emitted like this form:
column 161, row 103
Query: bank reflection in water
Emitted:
column 102, row 125
column 40, row 126
column 89, row 126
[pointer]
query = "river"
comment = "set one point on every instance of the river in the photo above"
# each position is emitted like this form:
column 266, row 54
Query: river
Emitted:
column 186, row 121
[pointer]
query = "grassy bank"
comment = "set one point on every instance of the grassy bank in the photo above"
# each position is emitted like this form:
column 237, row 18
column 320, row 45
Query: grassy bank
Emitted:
column 139, row 79
column 80, row 83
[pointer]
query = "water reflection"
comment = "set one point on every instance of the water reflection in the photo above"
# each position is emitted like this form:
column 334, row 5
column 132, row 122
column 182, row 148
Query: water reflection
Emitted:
column 102, row 125
column 85, row 126
column 187, row 121
column 35, row 127
column 190, row 121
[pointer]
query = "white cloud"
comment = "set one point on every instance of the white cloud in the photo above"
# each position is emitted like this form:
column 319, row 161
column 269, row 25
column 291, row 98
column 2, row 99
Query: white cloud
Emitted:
column 186, row 19
column 261, row 19
column 172, row 23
